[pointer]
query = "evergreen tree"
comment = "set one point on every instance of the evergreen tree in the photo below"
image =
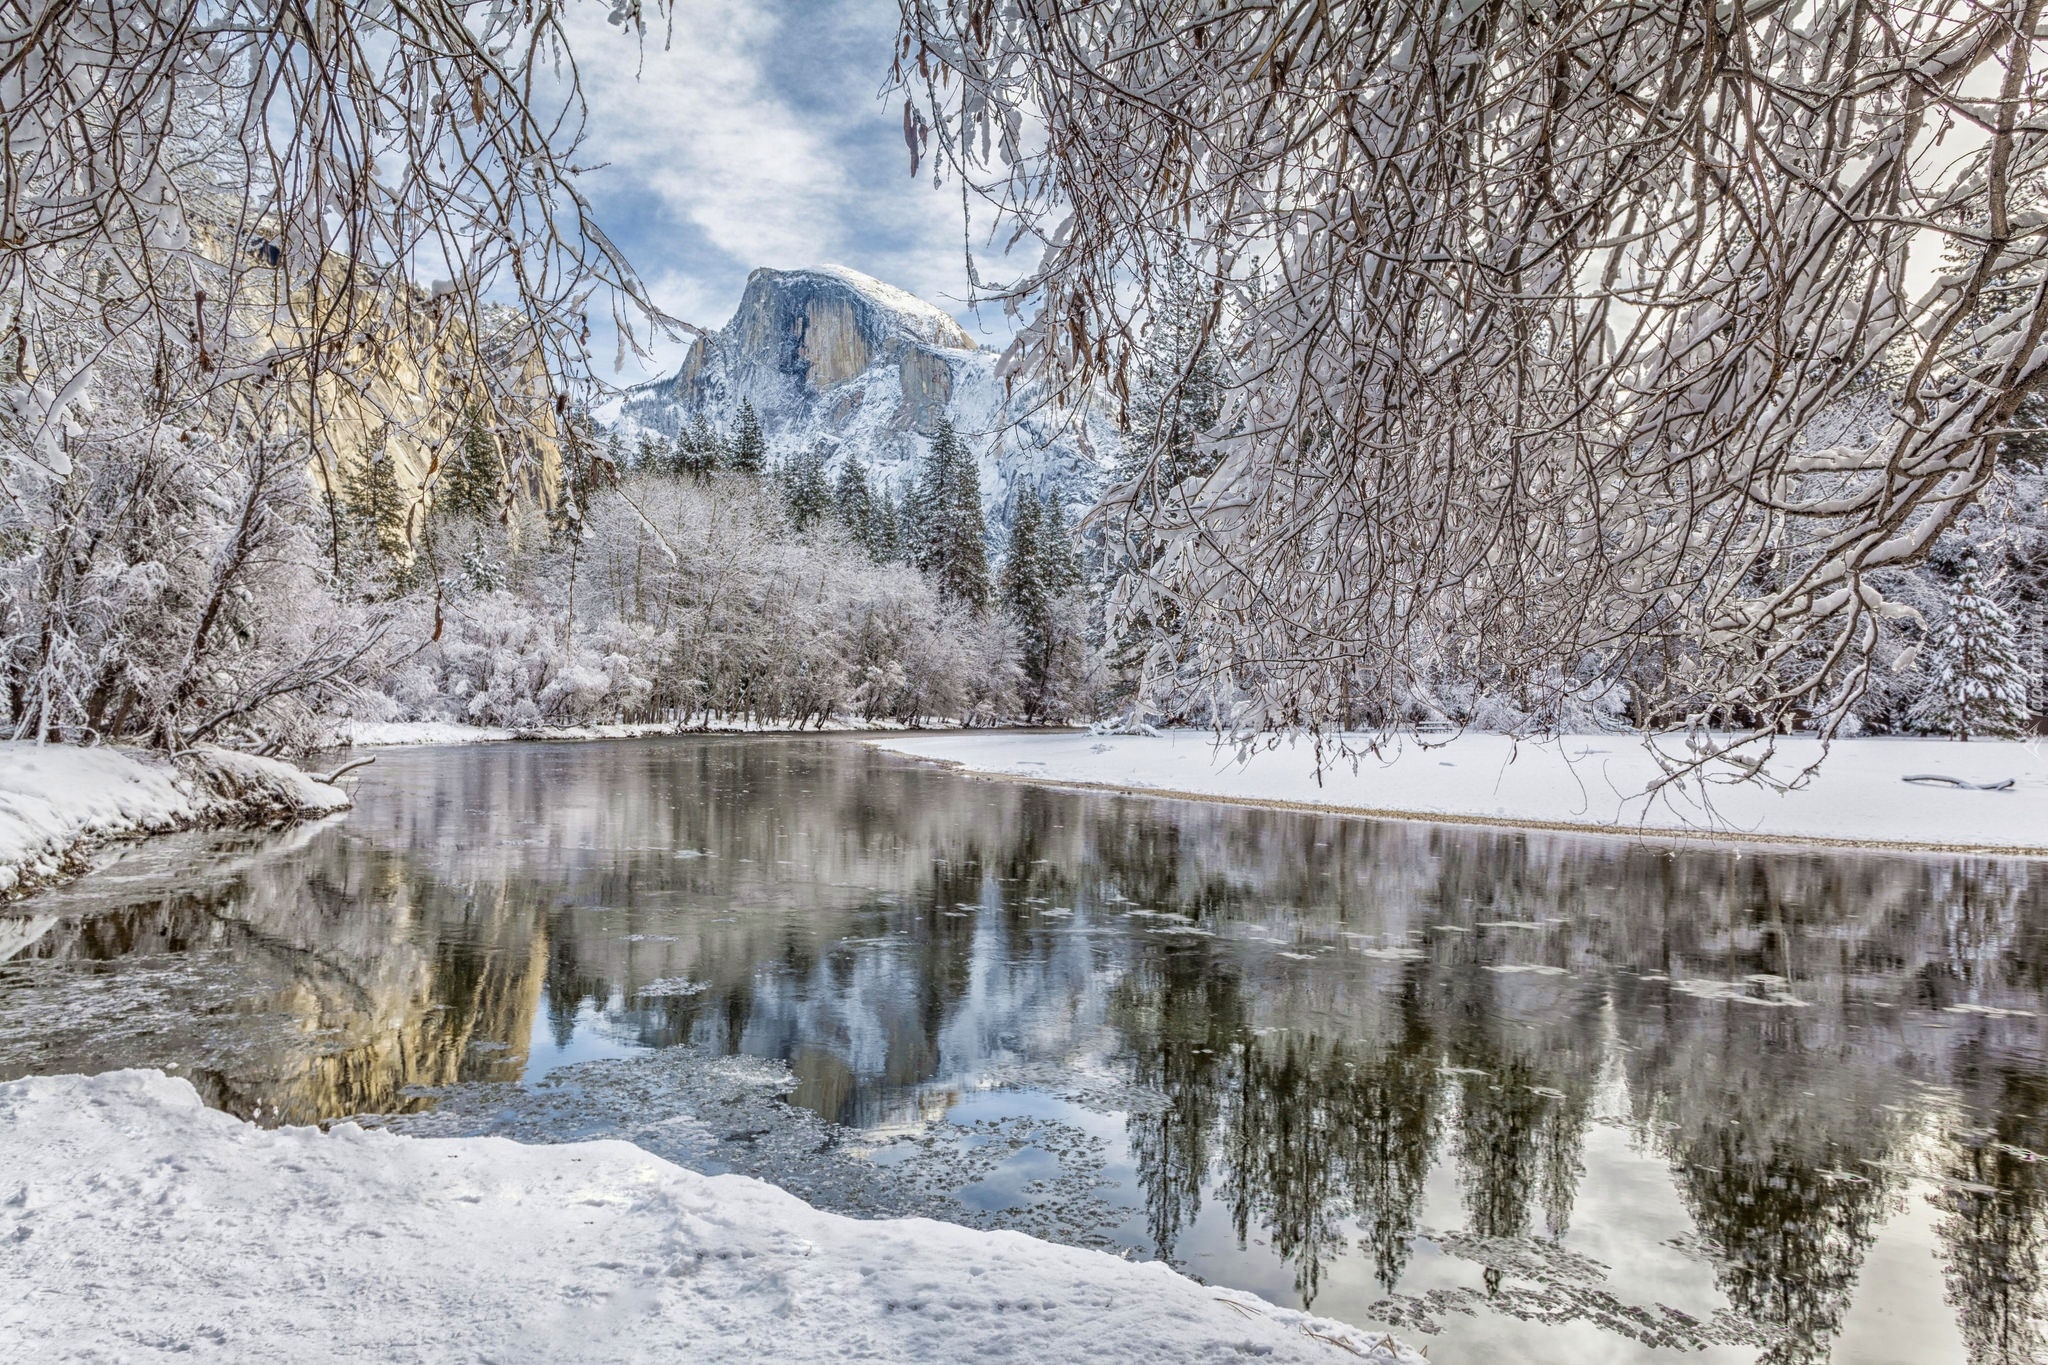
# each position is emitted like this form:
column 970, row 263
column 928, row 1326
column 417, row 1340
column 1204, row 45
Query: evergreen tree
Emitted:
column 805, row 490
column 949, row 534
column 1179, row 391
column 749, row 446
column 853, row 502
column 699, row 450
column 1176, row 399
column 472, row 481
column 372, row 546
column 1040, row 571
column 651, row 455
column 885, row 529
column 481, row 571
column 369, row 491
column 1980, row 687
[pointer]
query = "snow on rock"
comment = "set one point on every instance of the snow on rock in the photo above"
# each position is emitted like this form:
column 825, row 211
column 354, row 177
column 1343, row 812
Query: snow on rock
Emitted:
column 57, row 802
column 829, row 355
column 1580, row 781
column 140, row 1224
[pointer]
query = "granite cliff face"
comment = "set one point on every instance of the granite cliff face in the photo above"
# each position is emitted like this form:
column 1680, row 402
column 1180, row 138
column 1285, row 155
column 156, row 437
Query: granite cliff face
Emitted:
column 830, row 357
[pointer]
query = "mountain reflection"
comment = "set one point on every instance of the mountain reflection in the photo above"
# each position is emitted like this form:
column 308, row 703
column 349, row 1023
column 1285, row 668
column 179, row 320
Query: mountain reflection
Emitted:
column 1381, row 1054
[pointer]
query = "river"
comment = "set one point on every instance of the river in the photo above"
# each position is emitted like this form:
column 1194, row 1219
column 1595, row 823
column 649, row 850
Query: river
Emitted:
column 1516, row 1095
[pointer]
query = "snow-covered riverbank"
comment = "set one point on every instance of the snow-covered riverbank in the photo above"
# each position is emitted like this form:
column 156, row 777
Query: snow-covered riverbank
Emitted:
column 140, row 1224
column 1580, row 782
column 401, row 733
column 59, row 802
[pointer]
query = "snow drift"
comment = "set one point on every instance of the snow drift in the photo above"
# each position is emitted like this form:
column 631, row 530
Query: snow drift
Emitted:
column 140, row 1223
column 1593, row 782
column 57, row 803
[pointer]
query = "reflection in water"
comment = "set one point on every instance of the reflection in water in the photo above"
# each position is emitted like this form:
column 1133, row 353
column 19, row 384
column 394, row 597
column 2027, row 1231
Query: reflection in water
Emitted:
column 1517, row 1089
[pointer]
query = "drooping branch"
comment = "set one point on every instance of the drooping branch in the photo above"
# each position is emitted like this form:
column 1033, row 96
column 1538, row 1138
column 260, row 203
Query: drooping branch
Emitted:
column 1575, row 343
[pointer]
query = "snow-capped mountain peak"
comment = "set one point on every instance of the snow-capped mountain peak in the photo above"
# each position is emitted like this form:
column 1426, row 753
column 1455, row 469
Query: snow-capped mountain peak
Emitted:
column 830, row 355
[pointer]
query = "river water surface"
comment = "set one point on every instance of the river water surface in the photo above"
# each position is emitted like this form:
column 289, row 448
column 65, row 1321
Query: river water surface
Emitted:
column 1518, row 1096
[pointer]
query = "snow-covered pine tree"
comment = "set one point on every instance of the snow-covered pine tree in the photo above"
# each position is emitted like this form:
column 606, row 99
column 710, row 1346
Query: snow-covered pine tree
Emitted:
column 699, row 451
column 650, row 454
column 481, row 571
column 1178, row 394
column 1040, row 573
column 1980, row 686
column 805, row 490
column 853, row 502
column 949, row 534
column 749, row 446
column 472, row 482
column 373, row 547
column 369, row 491
column 1176, row 399
column 885, row 529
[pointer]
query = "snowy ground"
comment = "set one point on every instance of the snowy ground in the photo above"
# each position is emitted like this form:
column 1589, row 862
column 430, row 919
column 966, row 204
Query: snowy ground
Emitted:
column 363, row 734
column 1581, row 781
column 136, row 1224
column 57, row 801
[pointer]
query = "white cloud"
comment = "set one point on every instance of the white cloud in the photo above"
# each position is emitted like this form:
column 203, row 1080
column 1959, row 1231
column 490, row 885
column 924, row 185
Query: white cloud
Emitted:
column 695, row 125
column 753, row 136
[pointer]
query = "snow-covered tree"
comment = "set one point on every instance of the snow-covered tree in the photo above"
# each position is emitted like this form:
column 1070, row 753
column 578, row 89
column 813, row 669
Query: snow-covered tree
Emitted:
column 1176, row 401
column 472, row 481
column 1177, row 394
column 886, row 537
column 240, row 244
column 805, row 490
column 1528, row 326
column 1040, row 577
column 699, row 450
column 853, row 502
column 749, row 453
column 947, row 527
column 1979, row 683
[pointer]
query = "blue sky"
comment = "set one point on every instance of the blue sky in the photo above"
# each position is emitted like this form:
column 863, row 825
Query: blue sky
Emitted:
column 757, row 137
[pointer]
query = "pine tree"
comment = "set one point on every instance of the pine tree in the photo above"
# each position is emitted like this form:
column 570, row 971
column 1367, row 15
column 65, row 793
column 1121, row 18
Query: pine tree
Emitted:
column 369, row 491
column 1980, row 686
column 481, row 571
column 699, row 451
column 805, row 490
column 948, row 532
column 651, row 455
column 1040, row 570
column 749, row 446
column 885, row 529
column 1177, row 398
column 853, row 502
column 373, row 550
column 473, row 480
column 1179, row 391
column 1062, row 570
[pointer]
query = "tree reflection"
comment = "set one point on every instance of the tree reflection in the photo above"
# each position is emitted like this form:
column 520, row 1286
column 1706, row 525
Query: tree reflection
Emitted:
column 1994, row 1219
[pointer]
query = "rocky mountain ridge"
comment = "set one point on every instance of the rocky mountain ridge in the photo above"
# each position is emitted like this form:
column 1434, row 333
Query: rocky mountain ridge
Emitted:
column 834, row 359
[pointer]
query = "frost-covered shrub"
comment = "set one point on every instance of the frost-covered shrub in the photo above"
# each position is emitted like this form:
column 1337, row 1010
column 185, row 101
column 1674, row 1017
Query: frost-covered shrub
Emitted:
column 692, row 601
